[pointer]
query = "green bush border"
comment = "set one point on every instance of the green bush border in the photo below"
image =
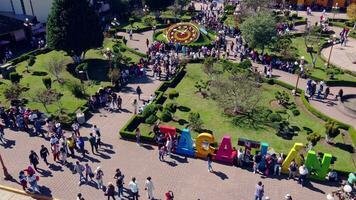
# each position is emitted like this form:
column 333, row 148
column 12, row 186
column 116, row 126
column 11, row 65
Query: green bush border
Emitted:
column 128, row 131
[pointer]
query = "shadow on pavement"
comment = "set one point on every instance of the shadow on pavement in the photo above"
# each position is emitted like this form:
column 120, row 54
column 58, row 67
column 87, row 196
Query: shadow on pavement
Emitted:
column 221, row 175
column 9, row 144
column 45, row 191
column 146, row 146
column 179, row 159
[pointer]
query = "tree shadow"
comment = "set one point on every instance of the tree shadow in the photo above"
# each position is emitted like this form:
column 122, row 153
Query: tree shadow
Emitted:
column 307, row 129
column 184, row 109
column 345, row 147
column 182, row 122
column 221, row 175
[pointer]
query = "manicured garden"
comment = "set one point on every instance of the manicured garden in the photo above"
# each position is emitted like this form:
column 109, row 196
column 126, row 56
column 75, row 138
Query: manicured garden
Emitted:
column 215, row 121
column 32, row 81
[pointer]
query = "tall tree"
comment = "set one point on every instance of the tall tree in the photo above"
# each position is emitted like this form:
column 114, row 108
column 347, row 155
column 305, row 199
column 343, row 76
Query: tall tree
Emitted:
column 46, row 97
column 74, row 27
column 259, row 30
column 351, row 12
column 158, row 4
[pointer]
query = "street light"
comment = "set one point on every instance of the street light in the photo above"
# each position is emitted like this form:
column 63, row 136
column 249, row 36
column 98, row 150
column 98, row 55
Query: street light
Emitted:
column 333, row 42
column 108, row 54
column 146, row 9
column 7, row 176
column 335, row 9
column 300, row 73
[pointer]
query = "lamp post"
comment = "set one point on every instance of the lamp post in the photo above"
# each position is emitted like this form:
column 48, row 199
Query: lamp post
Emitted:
column 299, row 74
column 146, row 9
column 108, row 54
column 28, row 29
column 333, row 42
column 7, row 176
column 335, row 9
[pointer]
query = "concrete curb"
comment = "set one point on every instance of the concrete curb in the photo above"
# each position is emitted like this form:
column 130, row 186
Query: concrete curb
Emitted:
column 21, row 192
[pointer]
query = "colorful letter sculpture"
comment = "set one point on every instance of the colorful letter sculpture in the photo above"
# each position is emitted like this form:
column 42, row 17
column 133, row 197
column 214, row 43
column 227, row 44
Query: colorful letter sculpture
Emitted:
column 167, row 130
column 185, row 144
column 225, row 152
column 202, row 145
column 264, row 149
column 248, row 144
column 293, row 154
column 320, row 170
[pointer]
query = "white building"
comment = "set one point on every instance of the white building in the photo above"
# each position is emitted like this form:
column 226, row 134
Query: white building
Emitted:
column 38, row 8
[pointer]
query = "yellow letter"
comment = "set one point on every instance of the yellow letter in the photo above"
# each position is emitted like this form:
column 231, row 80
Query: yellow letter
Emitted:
column 202, row 145
column 293, row 154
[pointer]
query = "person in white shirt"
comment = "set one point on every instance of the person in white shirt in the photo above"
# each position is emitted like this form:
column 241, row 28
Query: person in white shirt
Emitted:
column 133, row 189
column 149, row 187
column 303, row 173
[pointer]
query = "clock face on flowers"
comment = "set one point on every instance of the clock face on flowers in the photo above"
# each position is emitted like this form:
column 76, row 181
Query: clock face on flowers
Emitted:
column 183, row 33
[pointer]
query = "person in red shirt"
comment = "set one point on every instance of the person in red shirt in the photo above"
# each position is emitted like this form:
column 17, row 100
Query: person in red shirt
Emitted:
column 169, row 195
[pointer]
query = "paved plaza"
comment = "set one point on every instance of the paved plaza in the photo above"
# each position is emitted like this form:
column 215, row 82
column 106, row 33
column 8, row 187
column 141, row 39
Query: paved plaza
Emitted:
column 188, row 178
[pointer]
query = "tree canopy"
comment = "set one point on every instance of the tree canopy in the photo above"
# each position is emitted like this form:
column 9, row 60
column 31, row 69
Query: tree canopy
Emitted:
column 74, row 27
column 351, row 11
column 158, row 4
column 259, row 30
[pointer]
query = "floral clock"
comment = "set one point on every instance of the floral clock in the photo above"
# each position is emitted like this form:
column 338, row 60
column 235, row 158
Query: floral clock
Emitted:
column 183, row 33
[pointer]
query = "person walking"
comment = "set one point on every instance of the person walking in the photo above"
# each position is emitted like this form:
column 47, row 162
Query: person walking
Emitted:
column 210, row 160
column 2, row 133
column 147, row 42
column 99, row 177
column 32, row 180
column 55, row 151
column 162, row 152
column 33, row 159
column 88, row 172
column 71, row 146
column 44, row 153
column 23, row 180
column 149, row 187
column 93, row 145
column 278, row 165
column 75, row 128
column 110, row 191
column 259, row 192
column 138, row 136
column 97, row 133
column 119, row 102
column 135, row 105
column 138, row 92
column 303, row 173
column 78, row 168
column 119, row 182
column 292, row 169
column 133, row 189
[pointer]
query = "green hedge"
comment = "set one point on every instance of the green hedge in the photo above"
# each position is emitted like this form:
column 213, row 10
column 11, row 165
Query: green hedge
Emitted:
column 24, row 57
column 123, row 46
column 128, row 131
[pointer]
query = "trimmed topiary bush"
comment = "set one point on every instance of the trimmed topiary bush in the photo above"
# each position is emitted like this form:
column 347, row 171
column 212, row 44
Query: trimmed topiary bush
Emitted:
column 275, row 117
column 151, row 119
column 171, row 107
column 296, row 112
column 149, row 110
column 314, row 138
column 166, row 116
column 173, row 94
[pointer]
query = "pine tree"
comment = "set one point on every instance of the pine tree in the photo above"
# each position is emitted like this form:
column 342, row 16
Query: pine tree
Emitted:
column 74, row 27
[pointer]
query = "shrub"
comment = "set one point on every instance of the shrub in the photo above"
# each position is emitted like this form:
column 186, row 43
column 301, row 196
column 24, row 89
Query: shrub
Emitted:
column 166, row 116
column 149, row 20
column 149, row 110
column 159, row 107
column 172, row 94
column 314, row 138
column 275, row 117
column 195, row 121
column 296, row 112
column 47, row 82
column 171, row 107
column 282, row 98
column 15, row 77
column 294, row 16
column 151, row 119
column 76, row 88
column 331, row 129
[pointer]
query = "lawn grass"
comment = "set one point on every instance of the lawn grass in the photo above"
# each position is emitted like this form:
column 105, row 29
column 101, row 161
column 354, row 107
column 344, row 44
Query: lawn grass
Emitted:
column 68, row 101
column 299, row 43
column 220, row 124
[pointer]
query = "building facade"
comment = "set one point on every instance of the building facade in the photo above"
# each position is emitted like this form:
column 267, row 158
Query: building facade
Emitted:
column 39, row 8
